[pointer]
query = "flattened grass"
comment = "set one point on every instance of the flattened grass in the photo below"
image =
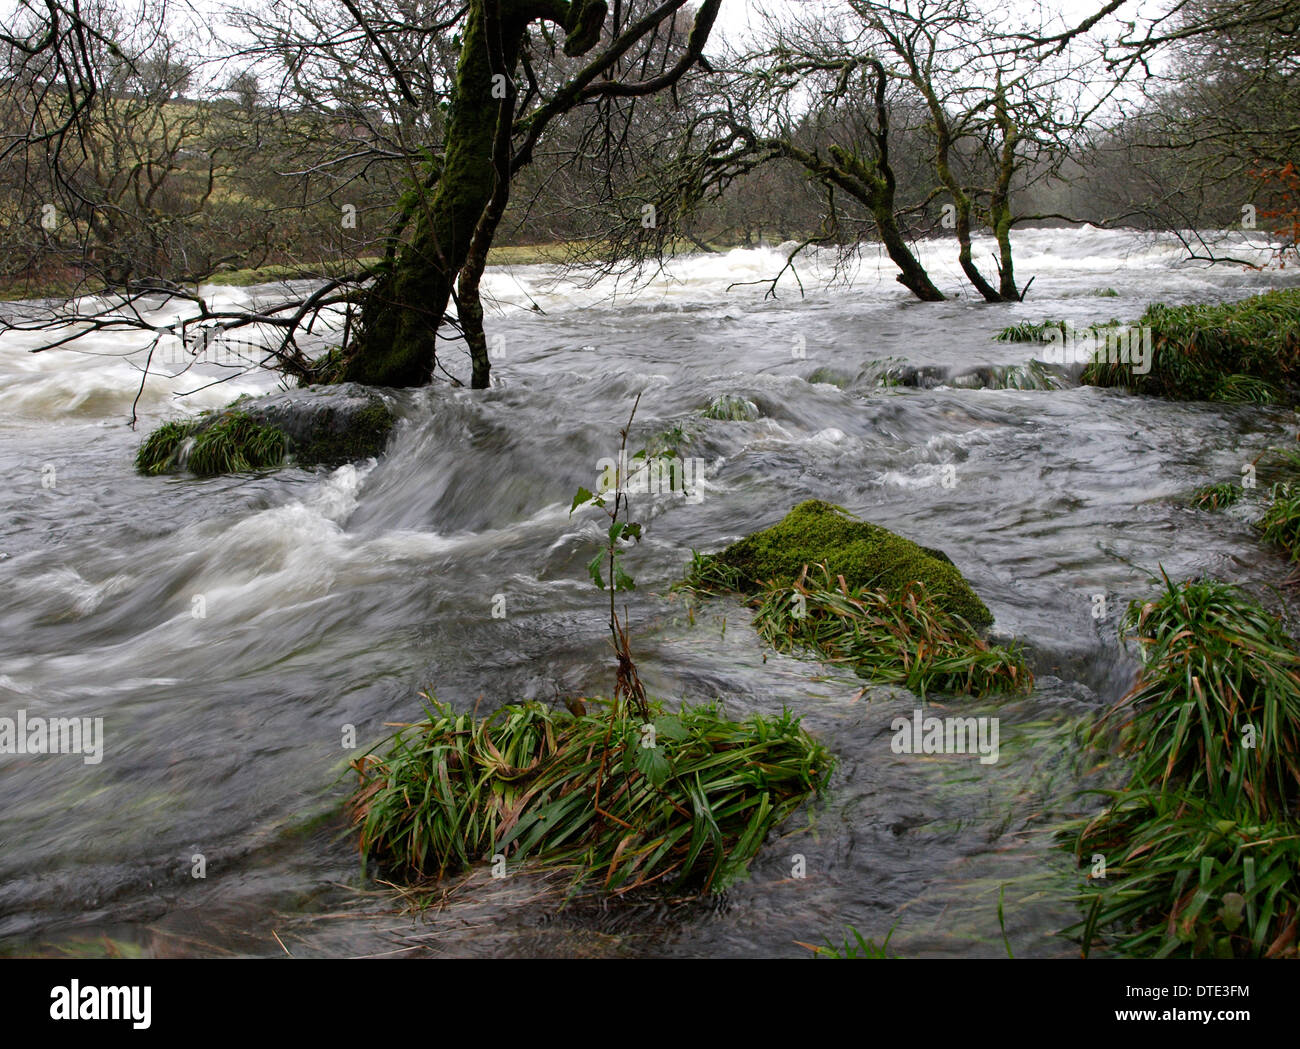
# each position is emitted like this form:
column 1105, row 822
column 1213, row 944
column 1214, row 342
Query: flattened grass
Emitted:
column 587, row 793
column 900, row 639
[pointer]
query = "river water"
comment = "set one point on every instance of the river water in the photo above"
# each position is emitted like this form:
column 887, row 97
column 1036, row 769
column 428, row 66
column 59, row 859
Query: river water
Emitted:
column 332, row 598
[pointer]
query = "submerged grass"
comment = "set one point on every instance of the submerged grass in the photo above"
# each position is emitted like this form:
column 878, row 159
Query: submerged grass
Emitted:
column 731, row 408
column 1240, row 352
column 901, row 639
column 1028, row 331
column 1217, row 496
column 684, row 800
column 1216, row 707
column 235, row 443
column 856, row 947
column 1202, row 850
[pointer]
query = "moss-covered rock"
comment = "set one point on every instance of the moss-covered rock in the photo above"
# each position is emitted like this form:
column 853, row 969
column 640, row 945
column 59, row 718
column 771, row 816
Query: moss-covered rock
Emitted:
column 315, row 426
column 865, row 554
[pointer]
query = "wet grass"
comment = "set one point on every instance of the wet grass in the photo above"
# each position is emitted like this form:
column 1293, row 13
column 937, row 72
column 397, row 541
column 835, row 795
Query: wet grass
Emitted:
column 1201, row 851
column 234, row 444
column 1217, row 496
column 1029, row 332
column 1281, row 522
column 1245, row 352
column 902, row 639
column 682, row 805
column 856, row 946
column 731, row 408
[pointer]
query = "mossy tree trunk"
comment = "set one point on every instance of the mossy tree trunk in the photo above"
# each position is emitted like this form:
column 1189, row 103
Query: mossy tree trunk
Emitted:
column 396, row 341
column 1000, row 199
column 962, row 203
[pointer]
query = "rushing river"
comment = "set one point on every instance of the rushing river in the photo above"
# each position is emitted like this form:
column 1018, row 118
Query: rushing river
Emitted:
column 333, row 598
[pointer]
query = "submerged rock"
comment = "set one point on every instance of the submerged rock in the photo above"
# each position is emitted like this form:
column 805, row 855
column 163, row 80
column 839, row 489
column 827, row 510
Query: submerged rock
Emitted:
column 313, row 426
column 816, row 532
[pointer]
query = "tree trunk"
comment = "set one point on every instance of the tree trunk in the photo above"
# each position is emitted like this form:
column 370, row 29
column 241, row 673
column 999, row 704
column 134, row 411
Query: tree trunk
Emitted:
column 960, row 200
column 1000, row 202
column 876, row 189
column 401, row 314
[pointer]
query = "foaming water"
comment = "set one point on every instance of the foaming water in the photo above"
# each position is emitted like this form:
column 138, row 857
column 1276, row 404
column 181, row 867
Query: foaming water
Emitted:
column 228, row 630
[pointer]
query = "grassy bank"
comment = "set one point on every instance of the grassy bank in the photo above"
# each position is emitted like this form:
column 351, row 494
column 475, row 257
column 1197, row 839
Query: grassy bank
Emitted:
column 1239, row 352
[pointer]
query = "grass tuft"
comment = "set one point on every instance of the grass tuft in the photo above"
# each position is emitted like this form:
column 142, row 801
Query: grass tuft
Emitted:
column 1202, row 850
column 1239, row 352
column 161, row 450
column 235, row 444
column 731, row 408
column 1281, row 522
column 586, row 793
column 856, row 947
column 1217, row 496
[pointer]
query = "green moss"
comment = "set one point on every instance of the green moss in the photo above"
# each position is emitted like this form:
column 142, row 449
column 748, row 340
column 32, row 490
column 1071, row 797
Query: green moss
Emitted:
column 865, row 554
column 1238, row 352
column 327, row 369
column 363, row 438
